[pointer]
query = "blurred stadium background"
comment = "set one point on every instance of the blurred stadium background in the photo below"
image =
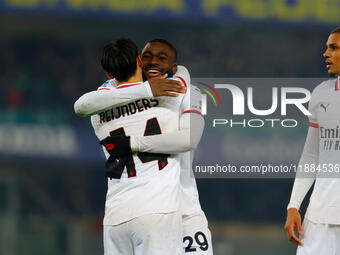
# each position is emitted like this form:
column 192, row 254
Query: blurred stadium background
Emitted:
column 52, row 185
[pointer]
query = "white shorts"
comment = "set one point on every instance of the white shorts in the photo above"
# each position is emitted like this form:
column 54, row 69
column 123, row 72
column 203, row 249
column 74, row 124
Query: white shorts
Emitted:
column 196, row 235
column 151, row 234
column 319, row 239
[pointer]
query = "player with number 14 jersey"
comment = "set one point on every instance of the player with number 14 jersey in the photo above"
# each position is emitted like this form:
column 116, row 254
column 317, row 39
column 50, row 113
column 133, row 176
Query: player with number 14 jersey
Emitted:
column 148, row 177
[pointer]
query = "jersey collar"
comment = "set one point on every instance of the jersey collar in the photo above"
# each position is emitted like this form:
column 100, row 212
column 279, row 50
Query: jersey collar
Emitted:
column 125, row 85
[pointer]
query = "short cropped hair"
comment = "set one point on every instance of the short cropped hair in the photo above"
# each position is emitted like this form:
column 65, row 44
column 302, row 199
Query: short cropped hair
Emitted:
column 161, row 40
column 119, row 58
column 336, row 31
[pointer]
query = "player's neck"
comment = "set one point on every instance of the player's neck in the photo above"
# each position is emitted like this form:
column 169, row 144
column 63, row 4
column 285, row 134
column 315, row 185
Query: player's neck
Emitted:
column 131, row 80
column 137, row 77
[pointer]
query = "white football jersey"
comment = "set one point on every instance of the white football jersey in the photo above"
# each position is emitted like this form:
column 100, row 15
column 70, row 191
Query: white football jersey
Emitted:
column 324, row 206
column 151, row 182
column 192, row 103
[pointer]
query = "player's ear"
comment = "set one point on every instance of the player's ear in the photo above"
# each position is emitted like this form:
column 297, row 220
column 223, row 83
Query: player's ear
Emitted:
column 110, row 76
column 174, row 68
column 139, row 61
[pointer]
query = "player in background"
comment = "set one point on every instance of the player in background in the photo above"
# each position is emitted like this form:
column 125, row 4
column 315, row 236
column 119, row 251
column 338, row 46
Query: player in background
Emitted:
column 159, row 57
column 142, row 203
column 320, row 232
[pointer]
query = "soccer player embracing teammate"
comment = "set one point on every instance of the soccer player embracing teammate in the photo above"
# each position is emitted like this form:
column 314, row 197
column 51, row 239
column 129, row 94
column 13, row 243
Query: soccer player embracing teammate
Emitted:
column 146, row 130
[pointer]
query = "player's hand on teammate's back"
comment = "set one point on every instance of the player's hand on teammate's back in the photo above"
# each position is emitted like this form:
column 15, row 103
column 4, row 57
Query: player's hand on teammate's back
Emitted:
column 117, row 146
column 293, row 221
column 165, row 87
